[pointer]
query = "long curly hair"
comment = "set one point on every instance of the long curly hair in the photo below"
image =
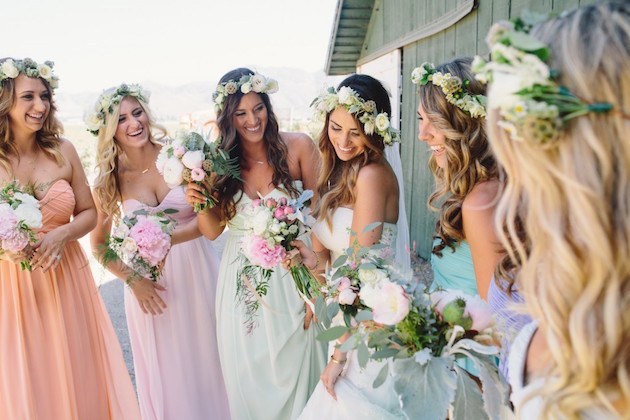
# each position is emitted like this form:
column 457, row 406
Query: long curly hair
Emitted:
column 469, row 158
column 108, row 151
column 575, row 271
column 48, row 138
column 337, row 179
column 227, row 187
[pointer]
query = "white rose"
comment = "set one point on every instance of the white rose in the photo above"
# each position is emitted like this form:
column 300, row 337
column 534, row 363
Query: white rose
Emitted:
column 30, row 215
column 345, row 95
column 391, row 305
column 476, row 109
column 260, row 221
column 173, row 172
column 45, row 72
column 272, row 86
column 258, row 83
column 372, row 276
column 120, row 231
column 93, row 122
column 246, row 87
column 347, row 296
column 9, row 69
column 193, row 159
column 382, row 122
column 368, row 127
column 275, row 228
column 26, row 199
column 128, row 247
column 502, row 90
column 369, row 294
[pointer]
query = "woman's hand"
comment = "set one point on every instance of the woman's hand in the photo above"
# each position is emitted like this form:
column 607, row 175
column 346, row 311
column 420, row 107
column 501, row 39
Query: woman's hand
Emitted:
column 146, row 292
column 48, row 250
column 300, row 254
column 331, row 373
column 309, row 316
column 195, row 194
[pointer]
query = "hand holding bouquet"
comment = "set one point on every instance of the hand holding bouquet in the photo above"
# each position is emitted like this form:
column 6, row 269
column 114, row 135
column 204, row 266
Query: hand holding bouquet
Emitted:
column 189, row 157
column 19, row 217
column 141, row 241
column 272, row 225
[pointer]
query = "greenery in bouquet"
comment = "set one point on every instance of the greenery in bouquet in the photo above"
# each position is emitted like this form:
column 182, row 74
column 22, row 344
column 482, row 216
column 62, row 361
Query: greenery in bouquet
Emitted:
column 421, row 334
column 189, row 157
column 271, row 225
column 141, row 241
column 20, row 215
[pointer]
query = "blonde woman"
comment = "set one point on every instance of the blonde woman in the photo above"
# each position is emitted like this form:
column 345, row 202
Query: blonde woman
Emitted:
column 567, row 159
column 171, row 322
column 59, row 355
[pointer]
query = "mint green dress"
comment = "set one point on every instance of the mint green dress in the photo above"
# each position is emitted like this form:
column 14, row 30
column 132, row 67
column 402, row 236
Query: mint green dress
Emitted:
column 454, row 269
column 270, row 373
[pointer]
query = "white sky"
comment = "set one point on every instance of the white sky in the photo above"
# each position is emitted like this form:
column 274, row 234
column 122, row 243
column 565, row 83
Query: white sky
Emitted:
column 98, row 44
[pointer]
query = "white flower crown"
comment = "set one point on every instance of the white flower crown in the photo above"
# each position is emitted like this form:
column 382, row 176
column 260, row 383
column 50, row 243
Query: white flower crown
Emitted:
column 531, row 103
column 453, row 89
column 248, row 83
column 372, row 120
column 10, row 69
column 113, row 96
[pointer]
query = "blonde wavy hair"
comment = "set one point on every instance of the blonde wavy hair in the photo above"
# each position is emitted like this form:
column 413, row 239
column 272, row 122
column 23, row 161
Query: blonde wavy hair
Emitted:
column 337, row 179
column 106, row 186
column 574, row 271
column 468, row 155
column 48, row 138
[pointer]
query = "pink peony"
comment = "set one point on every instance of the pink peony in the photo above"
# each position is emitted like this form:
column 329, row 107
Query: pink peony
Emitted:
column 15, row 243
column 391, row 305
column 260, row 253
column 347, row 297
column 279, row 213
column 179, row 151
column 344, row 283
column 197, row 174
column 153, row 244
column 13, row 239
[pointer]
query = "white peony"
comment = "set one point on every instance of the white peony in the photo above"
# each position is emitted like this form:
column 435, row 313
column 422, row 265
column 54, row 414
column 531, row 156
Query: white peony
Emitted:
column 390, row 305
column 246, row 88
column 93, row 122
column 369, row 294
column 382, row 122
column 193, row 159
column 30, row 215
column 347, row 297
column 258, row 83
column 173, row 172
column 373, row 277
column 9, row 69
column 26, row 199
column 260, row 221
column 345, row 95
column 501, row 93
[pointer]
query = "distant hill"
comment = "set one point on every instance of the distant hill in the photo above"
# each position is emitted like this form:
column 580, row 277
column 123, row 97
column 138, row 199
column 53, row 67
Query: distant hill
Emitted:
column 174, row 104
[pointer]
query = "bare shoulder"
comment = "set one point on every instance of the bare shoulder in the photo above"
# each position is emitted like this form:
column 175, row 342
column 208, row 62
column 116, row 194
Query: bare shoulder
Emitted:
column 66, row 146
column 483, row 195
column 295, row 140
column 376, row 175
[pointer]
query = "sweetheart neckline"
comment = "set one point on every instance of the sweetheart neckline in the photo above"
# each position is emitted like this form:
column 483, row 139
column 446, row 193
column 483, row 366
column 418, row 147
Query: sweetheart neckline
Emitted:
column 153, row 207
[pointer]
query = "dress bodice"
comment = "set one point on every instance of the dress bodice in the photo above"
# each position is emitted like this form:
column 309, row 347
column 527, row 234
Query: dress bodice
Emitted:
column 454, row 269
column 57, row 205
column 237, row 223
column 337, row 238
column 175, row 199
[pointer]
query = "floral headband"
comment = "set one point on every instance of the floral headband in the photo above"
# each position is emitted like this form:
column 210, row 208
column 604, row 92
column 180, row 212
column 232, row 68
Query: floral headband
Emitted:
column 10, row 69
column 110, row 97
column 452, row 87
column 251, row 82
column 530, row 101
column 372, row 120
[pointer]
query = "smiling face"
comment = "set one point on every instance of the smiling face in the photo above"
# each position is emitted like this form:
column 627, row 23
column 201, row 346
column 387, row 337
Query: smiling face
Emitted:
column 250, row 118
column 345, row 134
column 31, row 107
column 433, row 137
column 133, row 124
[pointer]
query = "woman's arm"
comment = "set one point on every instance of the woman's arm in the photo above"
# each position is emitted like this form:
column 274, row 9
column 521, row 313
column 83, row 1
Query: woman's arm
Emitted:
column 186, row 232
column 370, row 206
column 478, row 224
column 209, row 220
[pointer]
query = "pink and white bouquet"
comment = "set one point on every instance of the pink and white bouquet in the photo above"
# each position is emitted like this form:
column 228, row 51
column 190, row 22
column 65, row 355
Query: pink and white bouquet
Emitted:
column 189, row 157
column 271, row 226
column 20, row 215
column 141, row 241
column 421, row 334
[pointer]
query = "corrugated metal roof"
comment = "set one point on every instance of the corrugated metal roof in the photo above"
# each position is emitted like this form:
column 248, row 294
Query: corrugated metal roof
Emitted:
column 348, row 35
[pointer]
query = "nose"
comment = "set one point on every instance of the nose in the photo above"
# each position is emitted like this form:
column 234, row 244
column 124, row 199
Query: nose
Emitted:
column 344, row 139
column 40, row 104
column 423, row 132
column 252, row 119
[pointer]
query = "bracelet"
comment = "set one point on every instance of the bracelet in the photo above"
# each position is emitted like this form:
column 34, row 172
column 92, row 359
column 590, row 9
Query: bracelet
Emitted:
column 339, row 362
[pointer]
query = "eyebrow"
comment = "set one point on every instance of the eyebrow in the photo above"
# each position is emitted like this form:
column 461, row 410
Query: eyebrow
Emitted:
column 254, row 107
column 32, row 91
column 132, row 111
column 339, row 125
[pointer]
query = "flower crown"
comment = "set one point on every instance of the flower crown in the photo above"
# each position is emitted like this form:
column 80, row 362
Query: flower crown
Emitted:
column 531, row 103
column 452, row 87
column 372, row 120
column 10, row 69
column 248, row 83
column 113, row 96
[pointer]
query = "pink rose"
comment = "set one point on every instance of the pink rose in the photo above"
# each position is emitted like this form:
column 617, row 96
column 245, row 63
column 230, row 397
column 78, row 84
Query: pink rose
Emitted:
column 289, row 210
column 391, row 305
column 282, row 201
column 271, row 203
column 197, row 174
column 179, row 151
column 279, row 213
column 347, row 297
column 344, row 283
column 153, row 244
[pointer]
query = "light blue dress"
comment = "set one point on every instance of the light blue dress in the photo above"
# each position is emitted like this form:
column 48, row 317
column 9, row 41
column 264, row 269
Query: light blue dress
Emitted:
column 454, row 269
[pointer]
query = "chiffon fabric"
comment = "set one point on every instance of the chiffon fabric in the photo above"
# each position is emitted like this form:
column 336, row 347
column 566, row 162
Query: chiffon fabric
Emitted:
column 175, row 354
column 270, row 373
column 59, row 355
column 356, row 398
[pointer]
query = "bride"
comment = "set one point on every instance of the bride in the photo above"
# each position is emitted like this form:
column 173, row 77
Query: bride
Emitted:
column 356, row 188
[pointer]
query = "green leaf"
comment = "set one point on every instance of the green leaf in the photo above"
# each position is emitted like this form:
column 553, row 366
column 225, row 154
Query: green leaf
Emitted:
column 332, row 310
column 320, row 311
column 341, row 260
column 350, row 344
column 468, row 403
column 332, row 333
column 385, row 353
column 363, row 355
column 170, row 211
column 525, row 42
column 495, row 391
column 372, row 226
column 364, row 315
column 367, row 266
column 382, row 376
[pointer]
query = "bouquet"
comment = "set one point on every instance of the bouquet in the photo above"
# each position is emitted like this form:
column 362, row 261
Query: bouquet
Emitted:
column 272, row 225
column 189, row 157
column 422, row 333
column 141, row 241
column 19, row 216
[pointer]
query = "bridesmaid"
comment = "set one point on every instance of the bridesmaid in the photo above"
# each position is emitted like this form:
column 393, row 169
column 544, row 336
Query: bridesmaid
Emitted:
column 175, row 354
column 270, row 373
column 59, row 355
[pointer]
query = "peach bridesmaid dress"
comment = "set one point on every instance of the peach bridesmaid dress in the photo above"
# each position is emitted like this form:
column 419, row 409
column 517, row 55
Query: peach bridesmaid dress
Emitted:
column 59, row 355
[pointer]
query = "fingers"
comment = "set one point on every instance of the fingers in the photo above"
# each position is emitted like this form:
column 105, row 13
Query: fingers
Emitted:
column 195, row 194
column 308, row 317
column 329, row 385
column 46, row 259
column 159, row 287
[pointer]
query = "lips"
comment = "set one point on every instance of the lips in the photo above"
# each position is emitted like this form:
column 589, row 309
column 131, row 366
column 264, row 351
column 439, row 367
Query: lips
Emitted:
column 38, row 117
column 253, row 129
column 136, row 133
column 346, row 149
column 437, row 149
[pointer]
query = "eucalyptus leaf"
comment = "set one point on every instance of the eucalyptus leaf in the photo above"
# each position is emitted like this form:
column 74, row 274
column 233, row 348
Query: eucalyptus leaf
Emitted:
column 367, row 266
column 321, row 311
column 350, row 344
column 332, row 310
column 382, row 376
column 363, row 355
column 385, row 353
column 170, row 211
column 364, row 315
column 341, row 260
column 371, row 227
column 332, row 333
